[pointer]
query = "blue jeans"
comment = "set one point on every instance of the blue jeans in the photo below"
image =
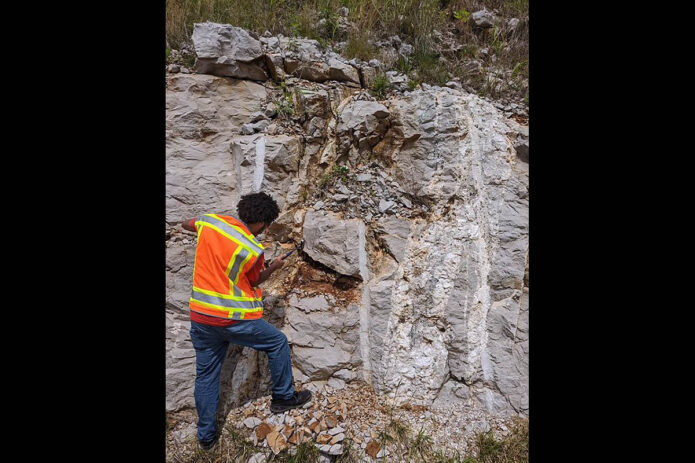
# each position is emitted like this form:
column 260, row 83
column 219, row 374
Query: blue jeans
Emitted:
column 211, row 343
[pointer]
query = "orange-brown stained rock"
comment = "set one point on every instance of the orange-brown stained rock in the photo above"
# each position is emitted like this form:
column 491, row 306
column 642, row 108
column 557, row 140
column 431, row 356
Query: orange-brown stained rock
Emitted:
column 372, row 448
column 287, row 430
column 331, row 421
column 296, row 437
column 263, row 430
column 324, row 438
column 314, row 426
column 276, row 442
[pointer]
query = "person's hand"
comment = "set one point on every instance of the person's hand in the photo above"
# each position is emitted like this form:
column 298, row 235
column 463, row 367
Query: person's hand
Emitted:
column 276, row 264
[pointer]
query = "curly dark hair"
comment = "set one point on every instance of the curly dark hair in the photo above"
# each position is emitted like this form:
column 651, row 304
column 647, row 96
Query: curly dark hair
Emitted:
column 258, row 207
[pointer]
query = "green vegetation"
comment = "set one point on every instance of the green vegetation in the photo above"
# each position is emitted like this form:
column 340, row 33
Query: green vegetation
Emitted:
column 189, row 60
column 337, row 173
column 428, row 66
column 518, row 67
column 358, row 46
column 403, row 64
column 285, row 104
column 402, row 443
column 421, row 445
column 350, row 453
column 306, row 453
column 380, row 85
column 511, row 449
column 435, row 60
column 462, row 15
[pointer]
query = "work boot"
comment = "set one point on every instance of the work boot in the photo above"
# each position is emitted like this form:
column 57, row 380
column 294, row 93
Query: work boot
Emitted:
column 208, row 445
column 299, row 399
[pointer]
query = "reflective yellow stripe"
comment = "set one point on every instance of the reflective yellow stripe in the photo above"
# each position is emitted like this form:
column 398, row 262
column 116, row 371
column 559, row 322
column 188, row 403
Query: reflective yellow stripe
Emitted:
column 230, row 264
column 254, row 247
column 225, row 296
column 220, row 231
column 244, row 262
column 225, row 309
column 247, row 235
column 251, row 237
column 195, row 257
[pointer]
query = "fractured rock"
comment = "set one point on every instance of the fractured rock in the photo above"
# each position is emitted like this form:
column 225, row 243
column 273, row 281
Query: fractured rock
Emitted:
column 336, row 383
column 483, row 19
column 252, row 422
column 257, row 458
column 331, row 241
column 324, row 342
column 225, row 50
column 335, row 431
column 362, row 117
column 372, row 448
column 345, row 375
column 263, row 430
column 276, row 441
column 335, row 449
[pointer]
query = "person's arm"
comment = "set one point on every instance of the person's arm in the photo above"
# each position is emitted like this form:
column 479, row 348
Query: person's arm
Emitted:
column 265, row 274
column 189, row 225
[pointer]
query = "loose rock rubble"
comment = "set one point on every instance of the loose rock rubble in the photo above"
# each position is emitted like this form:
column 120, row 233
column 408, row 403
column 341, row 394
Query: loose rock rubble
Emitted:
column 339, row 418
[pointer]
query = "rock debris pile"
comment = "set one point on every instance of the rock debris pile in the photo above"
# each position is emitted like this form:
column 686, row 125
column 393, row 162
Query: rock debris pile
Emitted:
column 341, row 417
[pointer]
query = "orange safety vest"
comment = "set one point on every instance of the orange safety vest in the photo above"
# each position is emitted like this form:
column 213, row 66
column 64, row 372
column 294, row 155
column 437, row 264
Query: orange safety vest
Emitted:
column 226, row 250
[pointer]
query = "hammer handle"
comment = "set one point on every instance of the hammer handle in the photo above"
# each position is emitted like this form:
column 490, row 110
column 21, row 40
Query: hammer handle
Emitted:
column 283, row 257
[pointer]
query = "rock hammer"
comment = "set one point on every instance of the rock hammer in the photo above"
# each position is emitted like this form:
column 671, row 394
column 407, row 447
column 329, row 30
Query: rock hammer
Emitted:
column 299, row 247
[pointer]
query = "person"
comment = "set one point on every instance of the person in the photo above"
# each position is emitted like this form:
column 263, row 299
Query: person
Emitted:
column 226, row 307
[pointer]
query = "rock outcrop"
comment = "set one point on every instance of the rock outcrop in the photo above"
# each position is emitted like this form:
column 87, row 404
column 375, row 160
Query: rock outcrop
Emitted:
column 414, row 275
column 225, row 50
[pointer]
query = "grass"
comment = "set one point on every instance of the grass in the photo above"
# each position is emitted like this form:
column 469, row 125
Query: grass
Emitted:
column 421, row 445
column 306, row 453
column 413, row 20
column 285, row 104
column 402, row 443
column 337, row 173
column 380, row 85
column 511, row 449
column 231, row 447
column 405, row 446
column 350, row 454
column 358, row 46
column 428, row 67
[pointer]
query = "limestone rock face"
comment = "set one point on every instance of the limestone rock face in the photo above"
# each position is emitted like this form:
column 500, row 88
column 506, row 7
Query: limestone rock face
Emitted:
column 324, row 341
column 483, row 19
column 456, row 301
column 203, row 116
column 414, row 212
column 331, row 241
column 225, row 50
